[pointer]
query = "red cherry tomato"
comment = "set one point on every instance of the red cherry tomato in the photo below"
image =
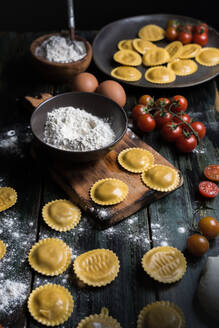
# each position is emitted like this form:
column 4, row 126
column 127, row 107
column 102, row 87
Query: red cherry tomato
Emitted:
column 187, row 27
column 138, row 110
column 209, row 227
column 178, row 104
column 171, row 131
column 199, row 128
column 197, row 245
column 185, row 144
column 200, row 28
column 208, row 189
column 146, row 123
column 185, row 37
column 171, row 33
column 185, row 117
column 161, row 117
column 162, row 103
column 200, row 38
column 146, row 100
column 212, row 172
column 173, row 22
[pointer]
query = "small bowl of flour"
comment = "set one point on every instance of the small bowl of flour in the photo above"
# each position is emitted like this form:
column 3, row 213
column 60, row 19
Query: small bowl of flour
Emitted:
column 57, row 58
column 78, row 126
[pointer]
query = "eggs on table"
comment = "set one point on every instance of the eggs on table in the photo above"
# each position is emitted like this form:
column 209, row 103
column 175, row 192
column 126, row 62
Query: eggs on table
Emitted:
column 175, row 58
column 87, row 82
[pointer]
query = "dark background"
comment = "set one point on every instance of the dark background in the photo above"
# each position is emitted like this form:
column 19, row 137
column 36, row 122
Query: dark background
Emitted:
column 42, row 15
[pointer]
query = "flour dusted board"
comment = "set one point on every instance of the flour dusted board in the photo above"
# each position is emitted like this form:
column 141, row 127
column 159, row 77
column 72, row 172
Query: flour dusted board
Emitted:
column 77, row 180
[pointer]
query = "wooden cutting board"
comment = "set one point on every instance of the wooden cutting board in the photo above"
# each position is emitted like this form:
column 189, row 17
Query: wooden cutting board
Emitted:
column 76, row 181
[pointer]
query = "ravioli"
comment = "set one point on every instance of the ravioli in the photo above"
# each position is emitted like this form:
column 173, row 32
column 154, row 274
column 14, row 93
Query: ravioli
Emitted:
column 135, row 160
column 125, row 44
column 190, row 50
column 2, row 249
column 99, row 320
column 97, row 267
column 50, row 304
column 164, row 263
column 161, row 314
column 8, row 197
column 142, row 46
column 160, row 74
column 208, row 56
column 127, row 57
column 155, row 56
column 174, row 49
column 50, row 256
column 126, row 73
column 151, row 32
column 183, row 67
column 108, row 191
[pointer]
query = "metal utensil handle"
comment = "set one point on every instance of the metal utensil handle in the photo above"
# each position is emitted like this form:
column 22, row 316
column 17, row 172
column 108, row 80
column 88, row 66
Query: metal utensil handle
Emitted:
column 71, row 19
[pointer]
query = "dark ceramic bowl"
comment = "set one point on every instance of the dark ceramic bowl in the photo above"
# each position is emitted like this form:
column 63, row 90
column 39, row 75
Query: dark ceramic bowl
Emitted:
column 59, row 72
column 93, row 103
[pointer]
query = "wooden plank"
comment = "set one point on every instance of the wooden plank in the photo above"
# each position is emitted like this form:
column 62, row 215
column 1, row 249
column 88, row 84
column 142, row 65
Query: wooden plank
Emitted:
column 171, row 218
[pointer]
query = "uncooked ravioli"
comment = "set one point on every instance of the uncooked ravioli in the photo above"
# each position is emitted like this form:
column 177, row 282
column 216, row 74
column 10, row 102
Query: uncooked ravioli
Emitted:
column 142, row 46
column 183, row 67
column 174, row 49
column 208, row 56
column 125, row 44
column 126, row 73
column 160, row 74
column 155, row 56
column 151, row 32
column 127, row 57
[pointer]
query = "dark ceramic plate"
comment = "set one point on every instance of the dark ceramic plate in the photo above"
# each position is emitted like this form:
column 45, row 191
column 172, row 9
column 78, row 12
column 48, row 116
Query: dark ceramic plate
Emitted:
column 105, row 45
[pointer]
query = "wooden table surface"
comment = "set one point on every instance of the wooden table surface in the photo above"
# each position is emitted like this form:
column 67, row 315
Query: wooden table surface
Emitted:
column 164, row 222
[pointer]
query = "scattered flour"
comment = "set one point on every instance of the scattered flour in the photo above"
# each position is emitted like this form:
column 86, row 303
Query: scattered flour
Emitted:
column 11, row 293
column 61, row 50
column 75, row 129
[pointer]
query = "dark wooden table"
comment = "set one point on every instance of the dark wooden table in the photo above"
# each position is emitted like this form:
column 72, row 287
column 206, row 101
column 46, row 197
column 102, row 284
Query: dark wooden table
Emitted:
column 164, row 222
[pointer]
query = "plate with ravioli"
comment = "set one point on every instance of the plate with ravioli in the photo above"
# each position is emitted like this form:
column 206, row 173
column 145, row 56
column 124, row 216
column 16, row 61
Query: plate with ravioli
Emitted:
column 135, row 51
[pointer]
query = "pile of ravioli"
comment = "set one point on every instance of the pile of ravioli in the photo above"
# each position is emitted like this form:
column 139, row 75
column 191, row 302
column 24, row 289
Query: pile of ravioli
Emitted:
column 162, row 64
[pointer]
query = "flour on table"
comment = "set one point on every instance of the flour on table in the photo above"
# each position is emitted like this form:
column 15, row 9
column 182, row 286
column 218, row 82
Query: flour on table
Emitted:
column 75, row 129
column 61, row 49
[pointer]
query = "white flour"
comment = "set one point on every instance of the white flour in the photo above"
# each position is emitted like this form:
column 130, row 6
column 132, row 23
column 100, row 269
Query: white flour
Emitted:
column 75, row 129
column 61, row 50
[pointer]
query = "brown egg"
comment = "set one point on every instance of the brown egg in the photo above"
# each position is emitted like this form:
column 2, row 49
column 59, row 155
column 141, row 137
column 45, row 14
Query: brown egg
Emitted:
column 113, row 90
column 84, row 82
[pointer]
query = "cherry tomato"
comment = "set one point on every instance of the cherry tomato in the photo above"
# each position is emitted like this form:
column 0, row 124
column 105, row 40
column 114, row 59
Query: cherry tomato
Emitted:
column 171, row 131
column 200, row 38
column 146, row 100
column 171, row 33
column 197, row 245
column 212, row 172
column 162, row 103
column 209, row 227
column 178, row 104
column 185, row 117
column 200, row 28
column 146, row 123
column 185, row 37
column 173, row 23
column 208, row 189
column 187, row 27
column 185, row 144
column 199, row 128
column 138, row 110
column 161, row 117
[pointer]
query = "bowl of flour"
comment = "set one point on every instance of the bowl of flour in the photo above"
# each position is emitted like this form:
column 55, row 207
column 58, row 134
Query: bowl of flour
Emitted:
column 78, row 126
column 56, row 58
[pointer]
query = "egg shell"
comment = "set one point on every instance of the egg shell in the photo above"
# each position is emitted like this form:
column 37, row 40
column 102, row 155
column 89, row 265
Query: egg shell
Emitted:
column 113, row 90
column 84, row 82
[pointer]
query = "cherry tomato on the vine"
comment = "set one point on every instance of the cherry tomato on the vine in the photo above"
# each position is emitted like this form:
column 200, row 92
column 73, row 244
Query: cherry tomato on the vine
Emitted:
column 200, row 38
column 212, row 172
column 185, row 117
column 171, row 33
column 171, row 131
column 186, row 144
column 173, row 22
column 178, row 104
column 187, row 27
column 199, row 128
column 146, row 100
column 161, row 117
column 138, row 110
column 146, row 123
column 162, row 103
column 185, row 37
column 209, row 227
column 197, row 245
column 200, row 28
column 208, row 189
